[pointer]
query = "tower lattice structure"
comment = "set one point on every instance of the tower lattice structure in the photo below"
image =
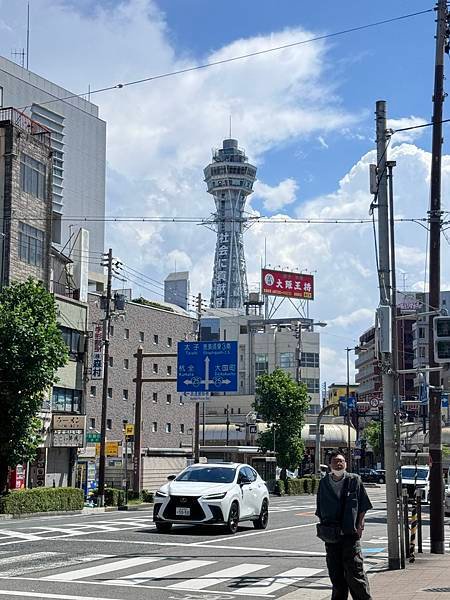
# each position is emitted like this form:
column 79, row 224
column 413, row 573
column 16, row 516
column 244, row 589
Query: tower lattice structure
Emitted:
column 230, row 179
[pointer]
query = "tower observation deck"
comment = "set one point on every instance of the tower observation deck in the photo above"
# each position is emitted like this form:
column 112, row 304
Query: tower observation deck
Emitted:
column 230, row 179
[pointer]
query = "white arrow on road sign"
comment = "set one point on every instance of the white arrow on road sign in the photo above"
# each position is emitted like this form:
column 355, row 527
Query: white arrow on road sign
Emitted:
column 196, row 381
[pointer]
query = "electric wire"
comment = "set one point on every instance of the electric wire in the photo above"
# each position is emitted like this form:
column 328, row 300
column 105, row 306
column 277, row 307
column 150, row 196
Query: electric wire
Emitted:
column 237, row 58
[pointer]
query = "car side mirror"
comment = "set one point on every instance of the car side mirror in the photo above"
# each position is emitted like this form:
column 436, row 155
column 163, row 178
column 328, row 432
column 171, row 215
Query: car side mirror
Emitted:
column 243, row 480
column 171, row 477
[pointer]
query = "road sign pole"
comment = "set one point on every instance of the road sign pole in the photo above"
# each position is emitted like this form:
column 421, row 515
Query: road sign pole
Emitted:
column 137, row 423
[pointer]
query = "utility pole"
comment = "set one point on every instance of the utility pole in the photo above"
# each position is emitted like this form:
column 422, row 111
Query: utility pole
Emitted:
column 197, row 404
column 349, row 445
column 138, row 421
column 384, row 314
column 106, row 324
column 435, row 424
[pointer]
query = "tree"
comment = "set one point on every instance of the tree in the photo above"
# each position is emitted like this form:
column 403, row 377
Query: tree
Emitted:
column 282, row 402
column 372, row 434
column 31, row 351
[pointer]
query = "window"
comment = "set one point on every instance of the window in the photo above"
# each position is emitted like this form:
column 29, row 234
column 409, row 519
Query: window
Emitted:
column 109, row 424
column 154, row 427
column 155, row 397
column 243, row 329
column 32, row 176
column 422, row 352
column 111, row 361
column 155, row 368
column 169, row 370
column 66, row 400
column 92, row 424
column 93, row 391
column 141, row 336
column 125, row 394
column 126, row 363
column 309, row 359
column 169, row 399
column 312, row 385
column 111, row 330
column 110, row 393
column 421, row 332
column 31, row 245
column 168, row 427
column 1, row 97
column 287, row 360
column 169, row 342
column 155, row 339
column 181, row 427
column 261, row 364
column 124, row 424
column 126, row 334
column 72, row 340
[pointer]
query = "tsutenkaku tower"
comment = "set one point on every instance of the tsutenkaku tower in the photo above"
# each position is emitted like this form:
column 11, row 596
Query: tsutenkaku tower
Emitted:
column 230, row 179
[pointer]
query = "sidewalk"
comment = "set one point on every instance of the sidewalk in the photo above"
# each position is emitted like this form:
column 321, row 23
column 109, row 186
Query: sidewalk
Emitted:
column 427, row 579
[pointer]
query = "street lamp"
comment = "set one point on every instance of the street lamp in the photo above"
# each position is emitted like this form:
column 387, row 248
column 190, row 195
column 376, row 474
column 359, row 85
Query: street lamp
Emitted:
column 349, row 450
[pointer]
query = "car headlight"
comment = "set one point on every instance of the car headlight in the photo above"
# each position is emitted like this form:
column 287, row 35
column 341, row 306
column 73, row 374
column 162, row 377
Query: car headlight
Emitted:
column 161, row 494
column 215, row 496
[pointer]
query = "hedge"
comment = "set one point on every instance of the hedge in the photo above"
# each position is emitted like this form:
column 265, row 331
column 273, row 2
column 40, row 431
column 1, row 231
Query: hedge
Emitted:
column 19, row 502
column 147, row 496
column 114, row 497
column 297, row 486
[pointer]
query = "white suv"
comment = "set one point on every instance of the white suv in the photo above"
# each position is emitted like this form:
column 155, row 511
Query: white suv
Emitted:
column 223, row 493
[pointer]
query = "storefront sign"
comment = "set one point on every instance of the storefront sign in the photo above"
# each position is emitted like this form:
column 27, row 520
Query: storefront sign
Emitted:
column 97, row 354
column 68, row 438
column 290, row 285
column 69, row 422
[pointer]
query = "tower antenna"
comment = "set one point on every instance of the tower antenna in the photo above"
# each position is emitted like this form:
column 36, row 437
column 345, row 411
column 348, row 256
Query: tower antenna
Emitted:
column 230, row 126
column 28, row 34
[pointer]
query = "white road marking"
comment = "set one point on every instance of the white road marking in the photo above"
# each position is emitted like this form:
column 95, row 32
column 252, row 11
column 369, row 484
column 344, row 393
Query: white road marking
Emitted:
column 274, row 584
column 100, row 569
column 195, row 544
column 54, row 596
column 55, row 564
column 24, row 536
column 265, row 531
column 217, row 578
column 26, row 557
column 160, row 572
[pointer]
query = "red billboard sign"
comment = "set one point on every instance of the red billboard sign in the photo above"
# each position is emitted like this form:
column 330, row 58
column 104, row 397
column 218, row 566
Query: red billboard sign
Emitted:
column 291, row 285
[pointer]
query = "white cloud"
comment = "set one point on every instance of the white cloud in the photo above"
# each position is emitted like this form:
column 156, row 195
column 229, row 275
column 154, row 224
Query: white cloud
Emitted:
column 278, row 196
column 406, row 136
column 358, row 316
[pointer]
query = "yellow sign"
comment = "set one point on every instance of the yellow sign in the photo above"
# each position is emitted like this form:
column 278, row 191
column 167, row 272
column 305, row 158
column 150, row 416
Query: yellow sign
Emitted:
column 129, row 429
column 111, row 449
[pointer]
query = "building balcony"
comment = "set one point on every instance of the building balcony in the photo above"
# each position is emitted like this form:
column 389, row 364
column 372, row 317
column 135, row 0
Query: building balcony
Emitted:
column 22, row 121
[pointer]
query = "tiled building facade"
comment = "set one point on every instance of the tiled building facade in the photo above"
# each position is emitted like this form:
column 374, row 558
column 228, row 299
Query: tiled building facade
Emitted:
column 25, row 199
column 166, row 422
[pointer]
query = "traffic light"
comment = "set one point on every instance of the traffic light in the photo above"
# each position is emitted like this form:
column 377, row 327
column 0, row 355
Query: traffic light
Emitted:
column 441, row 336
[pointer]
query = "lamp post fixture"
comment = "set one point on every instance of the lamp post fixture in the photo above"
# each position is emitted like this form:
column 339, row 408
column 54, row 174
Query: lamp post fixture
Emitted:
column 349, row 421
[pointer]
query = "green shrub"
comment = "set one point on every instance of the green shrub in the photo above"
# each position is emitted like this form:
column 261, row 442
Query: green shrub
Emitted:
column 295, row 487
column 114, row 497
column 280, row 488
column 147, row 496
column 19, row 502
column 307, row 483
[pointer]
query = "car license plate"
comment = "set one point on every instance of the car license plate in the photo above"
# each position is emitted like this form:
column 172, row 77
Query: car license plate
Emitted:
column 180, row 511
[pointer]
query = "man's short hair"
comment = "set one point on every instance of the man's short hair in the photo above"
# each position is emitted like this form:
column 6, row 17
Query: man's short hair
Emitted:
column 335, row 454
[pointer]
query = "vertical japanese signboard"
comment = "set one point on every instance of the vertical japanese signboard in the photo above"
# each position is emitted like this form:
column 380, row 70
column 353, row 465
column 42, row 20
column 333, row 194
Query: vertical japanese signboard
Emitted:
column 290, row 285
column 97, row 354
column 221, row 272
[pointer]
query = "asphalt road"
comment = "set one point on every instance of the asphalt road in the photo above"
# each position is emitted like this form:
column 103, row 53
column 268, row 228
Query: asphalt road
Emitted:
column 120, row 556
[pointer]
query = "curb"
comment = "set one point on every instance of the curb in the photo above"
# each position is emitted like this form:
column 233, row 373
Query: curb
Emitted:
column 51, row 513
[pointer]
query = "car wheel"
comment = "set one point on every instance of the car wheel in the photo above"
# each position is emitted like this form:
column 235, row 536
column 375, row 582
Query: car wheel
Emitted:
column 233, row 518
column 263, row 520
column 163, row 527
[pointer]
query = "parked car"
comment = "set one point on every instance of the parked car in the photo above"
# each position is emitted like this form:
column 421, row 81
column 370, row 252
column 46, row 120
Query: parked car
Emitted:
column 369, row 475
column 419, row 480
column 202, row 494
column 382, row 475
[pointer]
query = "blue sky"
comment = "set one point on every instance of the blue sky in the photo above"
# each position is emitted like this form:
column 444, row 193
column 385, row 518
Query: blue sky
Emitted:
column 305, row 116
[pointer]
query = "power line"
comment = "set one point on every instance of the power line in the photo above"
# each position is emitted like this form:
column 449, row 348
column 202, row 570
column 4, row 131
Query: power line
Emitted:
column 239, row 57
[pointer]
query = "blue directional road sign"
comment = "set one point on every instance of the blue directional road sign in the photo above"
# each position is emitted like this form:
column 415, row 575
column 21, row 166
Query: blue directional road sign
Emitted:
column 207, row 367
column 444, row 400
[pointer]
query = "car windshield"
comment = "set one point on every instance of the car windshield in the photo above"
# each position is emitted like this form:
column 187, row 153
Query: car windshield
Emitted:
column 208, row 474
column 409, row 473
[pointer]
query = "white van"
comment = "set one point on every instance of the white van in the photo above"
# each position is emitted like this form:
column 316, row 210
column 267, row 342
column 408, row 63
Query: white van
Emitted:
column 421, row 480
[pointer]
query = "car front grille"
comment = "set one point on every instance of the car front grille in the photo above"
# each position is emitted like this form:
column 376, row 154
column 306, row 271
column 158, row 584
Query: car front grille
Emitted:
column 191, row 502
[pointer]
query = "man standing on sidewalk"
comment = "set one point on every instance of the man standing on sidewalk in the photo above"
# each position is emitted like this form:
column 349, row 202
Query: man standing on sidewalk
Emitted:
column 342, row 503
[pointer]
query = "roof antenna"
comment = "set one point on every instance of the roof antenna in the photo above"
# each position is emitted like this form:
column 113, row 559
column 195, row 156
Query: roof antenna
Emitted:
column 230, row 127
column 28, row 33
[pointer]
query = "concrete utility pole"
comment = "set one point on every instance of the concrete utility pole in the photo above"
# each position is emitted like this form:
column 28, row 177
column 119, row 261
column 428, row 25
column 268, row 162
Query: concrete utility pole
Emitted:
column 384, row 314
column 197, row 404
column 106, row 325
column 435, row 424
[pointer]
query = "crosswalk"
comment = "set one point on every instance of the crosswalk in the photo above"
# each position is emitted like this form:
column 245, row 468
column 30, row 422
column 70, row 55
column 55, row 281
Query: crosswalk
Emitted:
column 34, row 533
column 253, row 577
column 173, row 574
column 426, row 543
